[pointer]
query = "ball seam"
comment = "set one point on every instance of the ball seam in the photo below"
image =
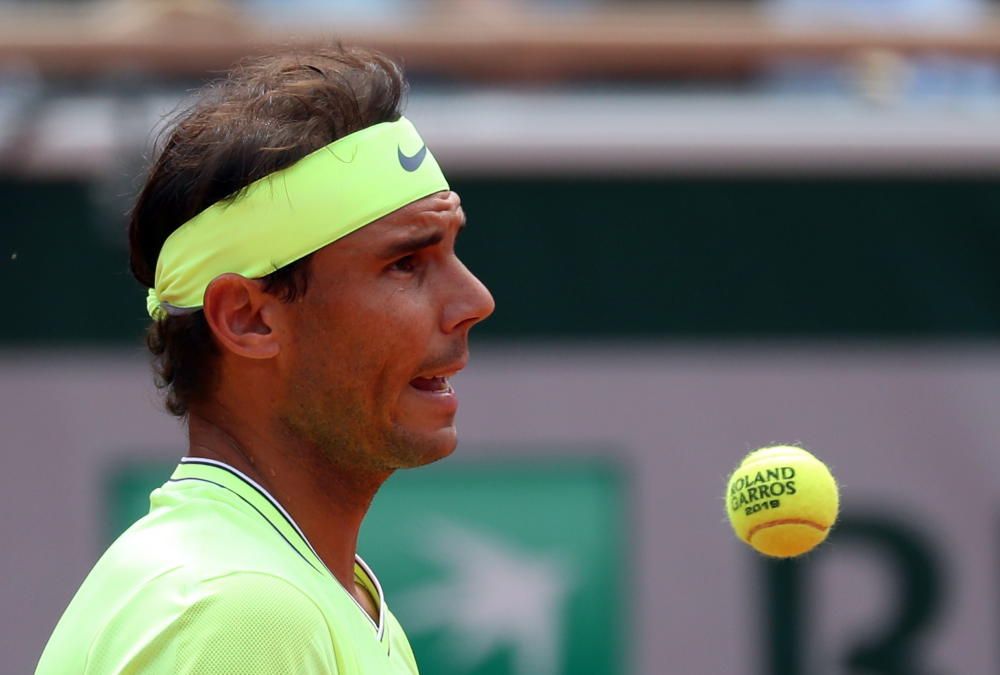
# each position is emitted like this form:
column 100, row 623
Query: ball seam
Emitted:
column 784, row 521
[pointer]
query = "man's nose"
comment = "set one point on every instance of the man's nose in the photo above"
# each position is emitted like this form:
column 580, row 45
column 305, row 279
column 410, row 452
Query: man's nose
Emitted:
column 471, row 302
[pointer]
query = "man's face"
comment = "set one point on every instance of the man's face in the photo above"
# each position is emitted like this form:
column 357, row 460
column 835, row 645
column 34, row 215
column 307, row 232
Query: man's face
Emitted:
column 384, row 321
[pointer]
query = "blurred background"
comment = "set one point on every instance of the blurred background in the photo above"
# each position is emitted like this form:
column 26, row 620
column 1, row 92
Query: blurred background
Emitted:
column 709, row 226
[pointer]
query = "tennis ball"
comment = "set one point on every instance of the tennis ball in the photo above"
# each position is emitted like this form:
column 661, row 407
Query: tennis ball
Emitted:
column 782, row 501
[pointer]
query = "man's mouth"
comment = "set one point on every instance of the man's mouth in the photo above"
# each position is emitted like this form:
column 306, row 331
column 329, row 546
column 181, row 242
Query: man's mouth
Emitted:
column 438, row 381
column 438, row 384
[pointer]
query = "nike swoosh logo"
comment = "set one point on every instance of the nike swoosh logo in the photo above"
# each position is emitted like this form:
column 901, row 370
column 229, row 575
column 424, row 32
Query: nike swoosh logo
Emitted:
column 412, row 163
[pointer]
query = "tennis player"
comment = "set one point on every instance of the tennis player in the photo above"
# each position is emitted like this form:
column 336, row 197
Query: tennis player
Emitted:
column 298, row 241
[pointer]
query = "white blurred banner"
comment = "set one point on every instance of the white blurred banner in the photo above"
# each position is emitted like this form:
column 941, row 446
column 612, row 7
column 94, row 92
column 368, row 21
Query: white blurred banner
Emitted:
column 908, row 585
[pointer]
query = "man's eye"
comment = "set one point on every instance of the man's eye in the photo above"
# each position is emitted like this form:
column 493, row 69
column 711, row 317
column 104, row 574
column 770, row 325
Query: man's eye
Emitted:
column 404, row 264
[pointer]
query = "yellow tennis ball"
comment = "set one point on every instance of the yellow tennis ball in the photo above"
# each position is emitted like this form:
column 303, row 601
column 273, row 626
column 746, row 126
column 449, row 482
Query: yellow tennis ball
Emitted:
column 782, row 501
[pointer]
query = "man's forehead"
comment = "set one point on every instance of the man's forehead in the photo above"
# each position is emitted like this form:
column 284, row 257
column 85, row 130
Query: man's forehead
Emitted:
column 429, row 212
column 442, row 203
column 439, row 212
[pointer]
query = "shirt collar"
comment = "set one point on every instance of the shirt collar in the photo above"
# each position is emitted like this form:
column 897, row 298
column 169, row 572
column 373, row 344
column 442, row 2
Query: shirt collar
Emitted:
column 251, row 492
column 247, row 489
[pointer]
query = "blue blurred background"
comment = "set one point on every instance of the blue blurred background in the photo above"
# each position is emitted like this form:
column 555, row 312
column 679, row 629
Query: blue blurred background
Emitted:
column 708, row 226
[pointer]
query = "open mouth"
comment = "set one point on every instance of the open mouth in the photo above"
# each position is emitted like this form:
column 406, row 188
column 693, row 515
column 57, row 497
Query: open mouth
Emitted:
column 436, row 385
column 437, row 381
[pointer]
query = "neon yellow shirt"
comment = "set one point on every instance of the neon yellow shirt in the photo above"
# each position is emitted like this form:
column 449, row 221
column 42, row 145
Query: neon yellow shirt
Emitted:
column 217, row 578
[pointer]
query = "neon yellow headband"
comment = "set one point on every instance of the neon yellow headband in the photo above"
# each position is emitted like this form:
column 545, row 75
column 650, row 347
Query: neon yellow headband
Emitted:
column 291, row 213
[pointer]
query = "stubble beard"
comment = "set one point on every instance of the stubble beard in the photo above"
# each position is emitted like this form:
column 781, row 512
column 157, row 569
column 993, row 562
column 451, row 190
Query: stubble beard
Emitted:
column 340, row 434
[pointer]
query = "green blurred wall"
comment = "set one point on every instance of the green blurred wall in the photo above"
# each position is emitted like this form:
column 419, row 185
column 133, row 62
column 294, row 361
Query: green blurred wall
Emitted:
column 593, row 257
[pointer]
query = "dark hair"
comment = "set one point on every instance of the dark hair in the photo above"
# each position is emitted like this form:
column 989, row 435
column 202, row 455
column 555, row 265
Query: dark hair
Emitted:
column 268, row 113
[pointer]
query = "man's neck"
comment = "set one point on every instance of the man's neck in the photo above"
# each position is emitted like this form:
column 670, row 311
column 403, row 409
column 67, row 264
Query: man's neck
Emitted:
column 326, row 501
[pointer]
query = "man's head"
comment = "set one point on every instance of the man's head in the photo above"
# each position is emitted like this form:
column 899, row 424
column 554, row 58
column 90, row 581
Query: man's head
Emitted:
column 333, row 347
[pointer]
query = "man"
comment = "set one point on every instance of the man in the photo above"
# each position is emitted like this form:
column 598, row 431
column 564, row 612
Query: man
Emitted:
column 298, row 241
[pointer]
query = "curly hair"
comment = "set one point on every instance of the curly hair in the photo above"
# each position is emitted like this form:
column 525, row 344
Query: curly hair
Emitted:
column 265, row 115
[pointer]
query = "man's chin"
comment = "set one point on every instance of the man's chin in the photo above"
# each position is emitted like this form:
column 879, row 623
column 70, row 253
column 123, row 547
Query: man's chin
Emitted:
column 421, row 448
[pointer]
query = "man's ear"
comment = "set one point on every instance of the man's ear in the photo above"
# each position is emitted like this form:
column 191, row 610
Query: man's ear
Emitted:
column 241, row 315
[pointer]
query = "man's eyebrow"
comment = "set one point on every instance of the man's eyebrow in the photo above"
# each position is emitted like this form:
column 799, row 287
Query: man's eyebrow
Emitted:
column 412, row 244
